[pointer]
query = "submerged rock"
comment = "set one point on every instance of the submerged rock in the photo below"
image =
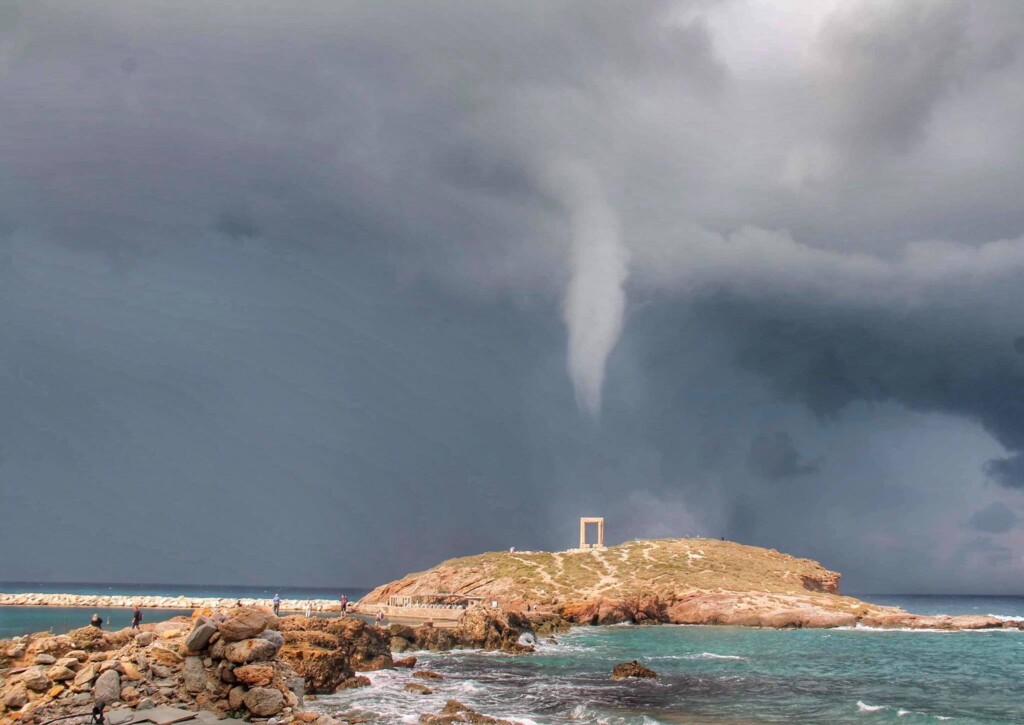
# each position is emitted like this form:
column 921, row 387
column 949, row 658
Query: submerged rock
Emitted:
column 626, row 670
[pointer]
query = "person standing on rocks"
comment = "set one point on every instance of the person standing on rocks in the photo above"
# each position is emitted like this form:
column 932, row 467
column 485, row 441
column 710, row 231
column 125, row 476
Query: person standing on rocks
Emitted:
column 277, row 604
column 379, row 619
column 344, row 605
column 96, row 621
column 136, row 616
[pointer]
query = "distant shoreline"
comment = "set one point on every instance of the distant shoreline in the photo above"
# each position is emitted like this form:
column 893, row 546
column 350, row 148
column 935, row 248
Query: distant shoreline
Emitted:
column 48, row 599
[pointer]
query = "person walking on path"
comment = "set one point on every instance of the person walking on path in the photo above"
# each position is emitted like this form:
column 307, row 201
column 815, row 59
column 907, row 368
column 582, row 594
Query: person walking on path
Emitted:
column 277, row 604
column 379, row 619
column 96, row 621
column 136, row 616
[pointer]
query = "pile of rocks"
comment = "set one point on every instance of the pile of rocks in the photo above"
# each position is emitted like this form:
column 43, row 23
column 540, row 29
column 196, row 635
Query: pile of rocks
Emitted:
column 489, row 629
column 224, row 661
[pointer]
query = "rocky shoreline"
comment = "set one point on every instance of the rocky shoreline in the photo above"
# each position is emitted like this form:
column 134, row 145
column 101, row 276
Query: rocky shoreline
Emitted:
column 240, row 663
column 39, row 599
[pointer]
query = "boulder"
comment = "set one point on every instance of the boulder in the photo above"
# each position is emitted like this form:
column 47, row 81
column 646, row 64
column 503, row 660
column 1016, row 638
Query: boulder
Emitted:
column 455, row 712
column 70, row 662
column 409, row 662
column 107, row 689
column 235, row 696
column 16, row 697
column 194, row 674
column 625, row 670
column 164, row 656
column 272, row 636
column 401, row 644
column 263, row 701
column 254, row 675
column 60, row 673
column 85, row 676
column 35, row 678
column 427, row 675
column 245, row 623
column 199, row 637
column 353, row 682
column 44, row 658
column 131, row 671
column 417, row 687
column 79, row 654
column 250, row 650
column 145, row 638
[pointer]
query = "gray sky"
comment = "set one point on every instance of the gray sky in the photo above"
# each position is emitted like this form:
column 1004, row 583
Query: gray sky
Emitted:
column 318, row 293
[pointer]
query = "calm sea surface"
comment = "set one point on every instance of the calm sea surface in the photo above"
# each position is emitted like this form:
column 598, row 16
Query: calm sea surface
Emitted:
column 23, row 620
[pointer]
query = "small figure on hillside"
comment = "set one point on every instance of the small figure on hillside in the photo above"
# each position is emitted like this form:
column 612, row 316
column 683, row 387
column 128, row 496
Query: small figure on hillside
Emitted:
column 379, row 619
column 136, row 616
column 96, row 621
column 309, row 610
column 344, row 605
column 277, row 604
column 238, row 602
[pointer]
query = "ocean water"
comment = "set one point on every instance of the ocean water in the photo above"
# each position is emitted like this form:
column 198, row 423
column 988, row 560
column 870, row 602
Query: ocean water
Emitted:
column 16, row 621
column 730, row 675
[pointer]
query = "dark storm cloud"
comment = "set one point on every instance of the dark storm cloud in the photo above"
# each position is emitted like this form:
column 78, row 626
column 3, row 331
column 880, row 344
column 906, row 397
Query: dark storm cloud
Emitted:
column 1007, row 471
column 994, row 519
column 773, row 456
column 288, row 276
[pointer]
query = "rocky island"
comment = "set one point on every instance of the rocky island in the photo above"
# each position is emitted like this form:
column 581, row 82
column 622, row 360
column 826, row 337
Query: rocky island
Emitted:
column 677, row 581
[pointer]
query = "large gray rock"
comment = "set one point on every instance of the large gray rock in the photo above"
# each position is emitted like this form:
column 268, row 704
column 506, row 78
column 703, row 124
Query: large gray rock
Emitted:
column 44, row 659
column 85, row 676
column 273, row 636
column 107, row 688
column 194, row 674
column 200, row 636
column 264, row 701
column 250, row 650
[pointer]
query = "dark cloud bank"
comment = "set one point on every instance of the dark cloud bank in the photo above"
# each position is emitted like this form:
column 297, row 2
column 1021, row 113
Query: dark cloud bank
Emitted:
column 325, row 293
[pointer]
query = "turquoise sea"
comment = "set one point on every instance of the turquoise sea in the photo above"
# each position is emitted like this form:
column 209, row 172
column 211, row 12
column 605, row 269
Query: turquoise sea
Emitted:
column 15, row 621
column 706, row 674
column 731, row 675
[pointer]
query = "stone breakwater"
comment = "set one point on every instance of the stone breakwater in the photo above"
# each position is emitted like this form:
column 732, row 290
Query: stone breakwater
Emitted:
column 37, row 599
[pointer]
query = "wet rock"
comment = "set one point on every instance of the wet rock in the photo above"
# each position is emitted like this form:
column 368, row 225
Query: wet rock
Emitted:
column 409, row 662
column 455, row 712
column 400, row 644
column 632, row 669
column 352, row 682
column 417, row 687
column 250, row 650
column 427, row 675
column 263, row 701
